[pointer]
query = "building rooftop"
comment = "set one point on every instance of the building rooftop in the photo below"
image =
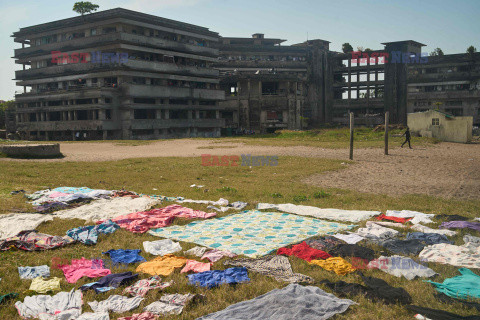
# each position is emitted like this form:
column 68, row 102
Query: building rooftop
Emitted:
column 406, row 41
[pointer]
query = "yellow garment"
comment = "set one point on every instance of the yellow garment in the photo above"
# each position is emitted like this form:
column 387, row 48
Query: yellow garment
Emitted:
column 43, row 286
column 337, row 264
column 162, row 265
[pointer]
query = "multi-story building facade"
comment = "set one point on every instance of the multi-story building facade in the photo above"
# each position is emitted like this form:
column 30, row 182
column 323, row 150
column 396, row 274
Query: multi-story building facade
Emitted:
column 117, row 74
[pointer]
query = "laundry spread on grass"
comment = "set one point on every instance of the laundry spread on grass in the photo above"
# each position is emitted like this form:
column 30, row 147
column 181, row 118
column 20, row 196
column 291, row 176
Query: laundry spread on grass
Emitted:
column 43, row 286
column 461, row 225
column 324, row 243
column 304, row 251
column 161, row 247
column 195, row 266
column 350, row 238
column 292, row 302
column 428, row 238
column 89, row 235
column 464, row 286
column 376, row 231
column 63, row 305
column 31, row 240
column 34, row 272
column 141, row 316
column 163, row 265
column 121, row 256
column 110, row 282
column 140, row 222
column 329, row 214
column 214, row 278
column 422, row 228
column 116, row 303
column 13, row 223
column 459, row 256
column 169, row 304
column 80, row 268
column 391, row 218
column 141, row 287
column 406, row 247
column 251, row 233
column 399, row 266
column 416, row 217
column 277, row 267
column 336, row 264
column 215, row 255
column 352, row 250
column 197, row 251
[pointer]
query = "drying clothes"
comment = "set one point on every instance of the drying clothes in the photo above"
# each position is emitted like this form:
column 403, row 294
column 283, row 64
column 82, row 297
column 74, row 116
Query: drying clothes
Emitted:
column 238, row 205
column 161, row 247
column 14, row 223
column 196, row 251
column 251, row 233
column 221, row 202
column 460, row 224
column 105, row 209
column 389, row 224
column 91, row 316
column 169, row 304
column 215, row 255
column 34, row 272
column 195, row 266
column 459, row 256
column 417, row 217
column 125, row 256
column 464, row 286
column 401, row 266
column 419, row 227
column 413, row 246
column 111, row 281
column 344, row 289
column 141, row 287
column 336, row 264
column 89, row 235
column 292, row 302
column 329, row 214
column 376, row 232
column 304, row 251
column 140, row 222
column 46, row 307
column 214, row 278
column 141, row 316
column 450, row 217
column 439, row 314
column 84, row 268
column 471, row 239
column 324, row 243
column 446, row 299
column 8, row 296
column 351, row 238
column 164, row 265
column 428, row 238
column 274, row 266
column 116, row 303
column 353, row 250
column 391, row 218
column 43, row 286
column 50, row 207
column 31, row 240
column 386, row 292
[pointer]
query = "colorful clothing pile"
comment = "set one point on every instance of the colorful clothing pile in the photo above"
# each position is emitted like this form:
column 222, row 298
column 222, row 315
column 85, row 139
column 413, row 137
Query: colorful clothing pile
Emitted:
column 338, row 265
column 31, row 240
column 214, row 278
column 416, row 217
column 324, row 243
column 141, row 287
column 459, row 256
column 84, row 268
column 89, row 235
column 304, row 251
column 164, row 265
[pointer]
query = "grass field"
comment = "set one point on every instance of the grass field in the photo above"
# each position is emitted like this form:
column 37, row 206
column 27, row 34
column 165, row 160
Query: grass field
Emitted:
column 172, row 177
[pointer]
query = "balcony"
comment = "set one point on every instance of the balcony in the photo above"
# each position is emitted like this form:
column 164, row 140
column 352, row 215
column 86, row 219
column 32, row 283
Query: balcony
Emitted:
column 67, row 125
column 171, row 68
column 444, row 94
column 236, row 64
column 176, row 123
column 173, row 92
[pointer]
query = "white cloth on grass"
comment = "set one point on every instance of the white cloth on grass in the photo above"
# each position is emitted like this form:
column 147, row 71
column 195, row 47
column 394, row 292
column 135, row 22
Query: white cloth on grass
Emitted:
column 471, row 239
column 13, row 223
column 197, row 251
column 169, row 304
column 421, row 228
column 238, row 205
column 116, row 303
column 34, row 272
column 105, row 209
column 94, row 316
column 329, row 214
column 459, row 256
column 376, row 232
column 51, row 307
column 401, row 266
column 220, row 202
column 161, row 247
column 418, row 217
column 292, row 302
column 350, row 238
column 390, row 224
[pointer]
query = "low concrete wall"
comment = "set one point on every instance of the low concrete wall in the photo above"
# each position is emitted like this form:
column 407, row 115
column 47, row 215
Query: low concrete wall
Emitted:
column 32, row 150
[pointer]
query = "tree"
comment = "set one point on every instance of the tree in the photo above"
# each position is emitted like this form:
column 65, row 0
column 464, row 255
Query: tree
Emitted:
column 4, row 107
column 437, row 52
column 347, row 47
column 471, row 50
column 83, row 7
column 360, row 49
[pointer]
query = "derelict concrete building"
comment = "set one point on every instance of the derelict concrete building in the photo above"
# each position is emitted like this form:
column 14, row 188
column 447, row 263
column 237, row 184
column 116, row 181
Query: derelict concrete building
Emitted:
column 117, row 74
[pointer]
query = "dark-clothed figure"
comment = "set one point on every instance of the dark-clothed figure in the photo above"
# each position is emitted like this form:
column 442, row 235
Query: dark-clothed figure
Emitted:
column 407, row 138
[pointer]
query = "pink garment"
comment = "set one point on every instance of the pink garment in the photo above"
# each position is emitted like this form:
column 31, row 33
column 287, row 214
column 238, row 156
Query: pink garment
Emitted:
column 196, row 266
column 141, row 316
column 215, row 255
column 57, row 194
column 84, row 268
column 140, row 222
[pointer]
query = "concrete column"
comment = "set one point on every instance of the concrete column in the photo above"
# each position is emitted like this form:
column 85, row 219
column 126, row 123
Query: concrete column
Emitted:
column 47, row 136
column 167, row 114
column 101, row 115
column 104, row 135
column 156, row 133
column 197, row 114
column 75, row 115
column 158, row 114
column 89, row 82
column 217, row 114
column 189, row 114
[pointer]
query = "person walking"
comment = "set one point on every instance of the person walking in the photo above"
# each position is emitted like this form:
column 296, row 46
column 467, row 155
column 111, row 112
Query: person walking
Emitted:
column 407, row 138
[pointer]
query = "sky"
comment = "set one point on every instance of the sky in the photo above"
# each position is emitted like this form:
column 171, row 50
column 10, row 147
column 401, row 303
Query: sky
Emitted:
column 452, row 25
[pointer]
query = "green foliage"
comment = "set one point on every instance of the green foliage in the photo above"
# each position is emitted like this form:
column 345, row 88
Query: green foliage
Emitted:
column 4, row 106
column 347, row 47
column 300, row 198
column 437, row 52
column 83, row 7
column 321, row 194
column 471, row 50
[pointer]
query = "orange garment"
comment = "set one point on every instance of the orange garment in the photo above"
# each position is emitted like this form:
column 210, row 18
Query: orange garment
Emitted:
column 164, row 265
column 337, row 264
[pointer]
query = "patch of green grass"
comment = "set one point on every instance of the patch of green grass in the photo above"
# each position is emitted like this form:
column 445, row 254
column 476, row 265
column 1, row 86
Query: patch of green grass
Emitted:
column 276, row 195
column 321, row 194
column 172, row 177
column 227, row 189
column 299, row 198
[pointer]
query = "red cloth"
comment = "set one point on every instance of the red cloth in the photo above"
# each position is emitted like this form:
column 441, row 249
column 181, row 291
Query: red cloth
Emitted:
column 304, row 251
column 384, row 217
column 140, row 222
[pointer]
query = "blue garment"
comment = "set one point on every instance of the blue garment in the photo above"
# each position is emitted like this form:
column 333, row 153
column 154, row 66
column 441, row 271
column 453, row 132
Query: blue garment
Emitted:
column 465, row 286
column 213, row 278
column 125, row 256
column 73, row 190
column 110, row 282
column 429, row 238
column 33, row 272
column 89, row 234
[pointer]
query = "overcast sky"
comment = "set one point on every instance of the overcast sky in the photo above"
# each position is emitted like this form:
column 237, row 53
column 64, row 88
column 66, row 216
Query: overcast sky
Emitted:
column 452, row 25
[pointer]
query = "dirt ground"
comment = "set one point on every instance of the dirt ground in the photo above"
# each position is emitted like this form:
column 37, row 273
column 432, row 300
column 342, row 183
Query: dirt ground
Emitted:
column 447, row 170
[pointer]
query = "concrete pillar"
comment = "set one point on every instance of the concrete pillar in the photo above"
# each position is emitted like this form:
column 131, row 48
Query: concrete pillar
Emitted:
column 217, row 114
column 75, row 115
column 47, row 136
column 167, row 114
column 104, row 135
column 156, row 133
column 158, row 114
column 189, row 114
column 197, row 114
